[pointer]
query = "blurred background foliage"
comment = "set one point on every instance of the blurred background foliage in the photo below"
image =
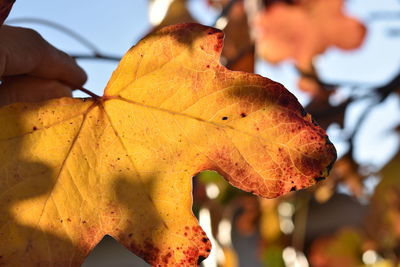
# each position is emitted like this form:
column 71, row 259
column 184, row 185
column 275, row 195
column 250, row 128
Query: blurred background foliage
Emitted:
column 332, row 54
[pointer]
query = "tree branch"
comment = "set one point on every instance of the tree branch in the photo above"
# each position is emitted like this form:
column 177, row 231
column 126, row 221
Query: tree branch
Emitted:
column 74, row 35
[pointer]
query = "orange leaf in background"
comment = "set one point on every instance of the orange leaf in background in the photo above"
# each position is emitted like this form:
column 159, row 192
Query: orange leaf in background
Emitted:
column 74, row 170
column 304, row 30
column 312, row 87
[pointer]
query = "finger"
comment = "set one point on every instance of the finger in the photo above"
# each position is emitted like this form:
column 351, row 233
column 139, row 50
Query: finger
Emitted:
column 24, row 51
column 31, row 89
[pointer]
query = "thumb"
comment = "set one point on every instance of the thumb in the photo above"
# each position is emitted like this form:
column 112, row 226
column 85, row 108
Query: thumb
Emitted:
column 24, row 88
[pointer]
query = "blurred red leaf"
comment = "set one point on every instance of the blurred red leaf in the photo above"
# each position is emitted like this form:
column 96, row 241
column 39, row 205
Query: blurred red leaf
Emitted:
column 305, row 29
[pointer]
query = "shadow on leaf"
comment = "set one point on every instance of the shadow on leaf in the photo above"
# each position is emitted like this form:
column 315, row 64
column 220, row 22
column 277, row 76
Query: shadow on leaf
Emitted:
column 26, row 187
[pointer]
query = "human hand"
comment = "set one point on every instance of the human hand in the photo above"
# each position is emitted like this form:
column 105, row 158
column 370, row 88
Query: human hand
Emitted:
column 32, row 70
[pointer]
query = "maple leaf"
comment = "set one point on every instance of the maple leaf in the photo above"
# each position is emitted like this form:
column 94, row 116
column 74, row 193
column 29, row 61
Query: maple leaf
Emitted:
column 305, row 29
column 74, row 170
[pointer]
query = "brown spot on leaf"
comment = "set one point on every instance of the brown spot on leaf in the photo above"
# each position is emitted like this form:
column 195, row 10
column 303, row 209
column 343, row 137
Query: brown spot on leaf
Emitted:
column 219, row 44
column 191, row 256
column 212, row 31
column 166, row 258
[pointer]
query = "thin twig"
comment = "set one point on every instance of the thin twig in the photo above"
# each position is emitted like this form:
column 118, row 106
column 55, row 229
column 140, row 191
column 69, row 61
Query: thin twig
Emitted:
column 96, row 57
column 79, row 38
column 82, row 40
column 358, row 124
column 86, row 91
column 381, row 93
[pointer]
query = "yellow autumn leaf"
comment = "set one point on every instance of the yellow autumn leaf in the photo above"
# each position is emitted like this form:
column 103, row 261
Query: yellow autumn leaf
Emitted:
column 74, row 170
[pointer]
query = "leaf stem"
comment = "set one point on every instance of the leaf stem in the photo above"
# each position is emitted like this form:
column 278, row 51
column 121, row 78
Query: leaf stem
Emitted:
column 86, row 91
column 96, row 56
